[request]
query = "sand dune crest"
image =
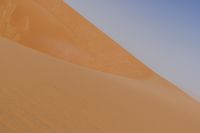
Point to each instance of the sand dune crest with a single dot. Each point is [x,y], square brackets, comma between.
[52,27]
[60,74]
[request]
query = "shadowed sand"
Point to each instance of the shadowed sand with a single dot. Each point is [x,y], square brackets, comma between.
[43,94]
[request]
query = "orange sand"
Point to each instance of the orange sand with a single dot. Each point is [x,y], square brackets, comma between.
[54,28]
[40,93]
[43,94]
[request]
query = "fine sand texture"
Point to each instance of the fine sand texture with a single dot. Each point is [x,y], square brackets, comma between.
[42,94]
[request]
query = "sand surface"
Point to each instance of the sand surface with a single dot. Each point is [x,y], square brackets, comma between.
[43,94]
[53,27]
[60,74]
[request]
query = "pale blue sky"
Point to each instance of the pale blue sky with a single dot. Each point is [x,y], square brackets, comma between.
[164,34]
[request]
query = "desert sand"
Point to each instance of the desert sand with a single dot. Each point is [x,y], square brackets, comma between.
[43,94]
[54,28]
[60,74]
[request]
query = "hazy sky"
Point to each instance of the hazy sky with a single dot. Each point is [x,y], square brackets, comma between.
[164,34]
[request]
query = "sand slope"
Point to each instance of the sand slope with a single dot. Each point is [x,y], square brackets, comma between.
[53,27]
[41,94]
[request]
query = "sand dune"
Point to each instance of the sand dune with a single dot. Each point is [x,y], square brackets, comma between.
[58,89]
[53,27]
[43,94]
